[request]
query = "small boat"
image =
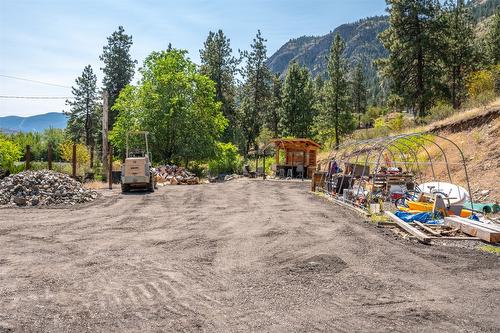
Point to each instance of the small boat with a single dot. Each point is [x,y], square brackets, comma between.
[456,194]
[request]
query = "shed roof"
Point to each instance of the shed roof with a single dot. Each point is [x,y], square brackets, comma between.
[295,143]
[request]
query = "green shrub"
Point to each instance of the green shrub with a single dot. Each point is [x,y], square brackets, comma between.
[227,159]
[9,153]
[480,82]
[440,111]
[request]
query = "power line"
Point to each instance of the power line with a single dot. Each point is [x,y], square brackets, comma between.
[35,97]
[34,81]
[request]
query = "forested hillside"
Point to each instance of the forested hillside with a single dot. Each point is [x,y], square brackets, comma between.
[361,40]
[361,43]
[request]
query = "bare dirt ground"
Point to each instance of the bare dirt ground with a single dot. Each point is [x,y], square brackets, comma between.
[243,256]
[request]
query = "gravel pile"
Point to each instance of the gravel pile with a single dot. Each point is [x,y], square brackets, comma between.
[42,188]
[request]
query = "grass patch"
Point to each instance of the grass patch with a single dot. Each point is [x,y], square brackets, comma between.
[378,218]
[490,248]
[95,185]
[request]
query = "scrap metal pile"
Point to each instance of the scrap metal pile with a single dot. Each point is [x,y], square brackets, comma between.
[43,188]
[174,175]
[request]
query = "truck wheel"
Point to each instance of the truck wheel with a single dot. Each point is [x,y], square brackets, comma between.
[125,188]
[151,185]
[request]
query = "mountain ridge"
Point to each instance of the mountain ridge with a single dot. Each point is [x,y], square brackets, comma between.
[37,123]
[362,43]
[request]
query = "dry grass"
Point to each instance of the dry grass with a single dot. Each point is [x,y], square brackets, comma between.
[95,185]
[458,117]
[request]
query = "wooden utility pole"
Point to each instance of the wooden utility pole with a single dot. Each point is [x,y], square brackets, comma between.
[105,128]
[73,161]
[27,165]
[49,156]
[110,167]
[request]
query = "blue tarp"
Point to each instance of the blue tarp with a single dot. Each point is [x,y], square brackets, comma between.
[425,217]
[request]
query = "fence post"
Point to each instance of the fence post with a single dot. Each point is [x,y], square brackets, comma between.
[27,165]
[110,167]
[49,156]
[73,160]
[264,166]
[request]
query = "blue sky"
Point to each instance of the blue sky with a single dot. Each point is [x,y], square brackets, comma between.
[53,40]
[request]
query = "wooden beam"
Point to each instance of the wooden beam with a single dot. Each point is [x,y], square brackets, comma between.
[428,229]
[349,206]
[473,228]
[423,238]
[455,238]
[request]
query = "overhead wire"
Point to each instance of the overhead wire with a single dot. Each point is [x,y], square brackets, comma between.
[35,97]
[34,81]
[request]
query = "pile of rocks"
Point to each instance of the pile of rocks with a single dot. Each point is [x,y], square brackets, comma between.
[43,188]
[175,175]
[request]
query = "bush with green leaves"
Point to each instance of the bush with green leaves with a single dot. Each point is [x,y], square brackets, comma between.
[10,152]
[439,111]
[227,160]
[82,155]
[176,105]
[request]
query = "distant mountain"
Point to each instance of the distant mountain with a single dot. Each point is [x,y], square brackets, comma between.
[36,123]
[361,39]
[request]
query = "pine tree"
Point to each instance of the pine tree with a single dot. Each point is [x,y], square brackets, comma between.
[335,113]
[218,64]
[118,67]
[276,109]
[460,56]
[494,38]
[359,92]
[83,122]
[298,102]
[256,91]
[415,44]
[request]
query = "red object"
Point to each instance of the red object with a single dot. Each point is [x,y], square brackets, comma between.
[396,196]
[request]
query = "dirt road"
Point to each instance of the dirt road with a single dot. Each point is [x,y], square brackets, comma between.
[243,256]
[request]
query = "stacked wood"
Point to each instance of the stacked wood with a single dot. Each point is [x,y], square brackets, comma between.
[487,232]
[175,175]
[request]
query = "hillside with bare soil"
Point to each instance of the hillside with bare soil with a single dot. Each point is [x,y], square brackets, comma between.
[478,137]
[477,133]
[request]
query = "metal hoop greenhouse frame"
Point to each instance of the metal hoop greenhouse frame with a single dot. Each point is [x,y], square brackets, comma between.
[409,146]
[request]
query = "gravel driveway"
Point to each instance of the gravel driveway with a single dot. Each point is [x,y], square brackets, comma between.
[242,256]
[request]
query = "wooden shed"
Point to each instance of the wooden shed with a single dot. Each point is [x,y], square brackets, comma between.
[299,158]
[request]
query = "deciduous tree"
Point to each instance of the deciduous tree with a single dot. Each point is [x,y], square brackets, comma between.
[176,104]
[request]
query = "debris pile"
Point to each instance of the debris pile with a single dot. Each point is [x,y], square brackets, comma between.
[175,175]
[43,188]
[223,178]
